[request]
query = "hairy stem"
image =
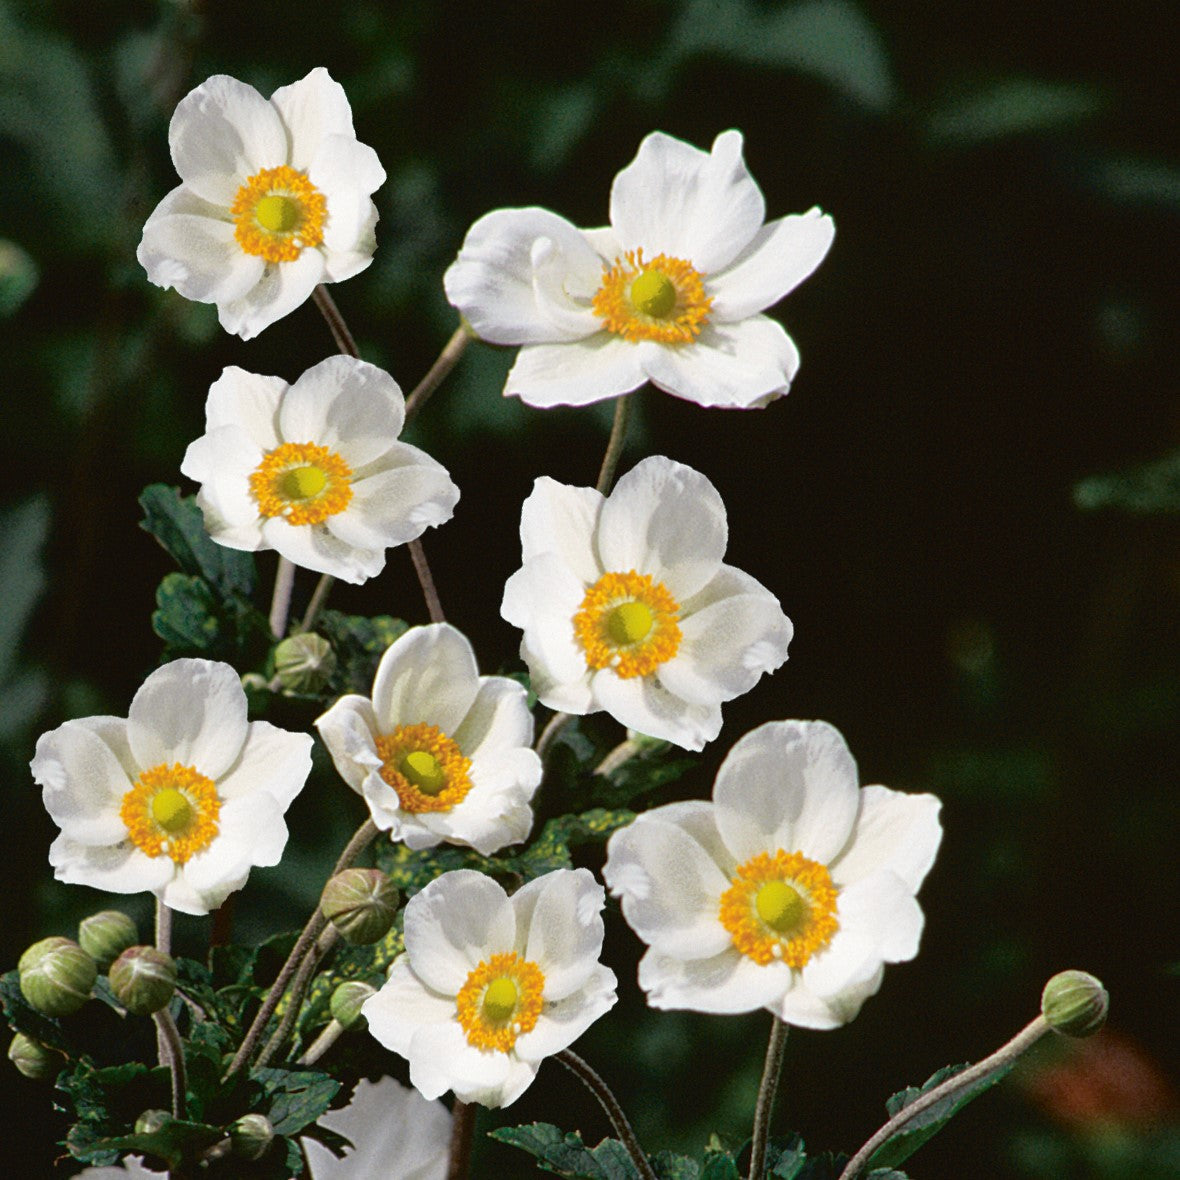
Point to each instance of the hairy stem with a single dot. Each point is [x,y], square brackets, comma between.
[426,581]
[1022,1041]
[329,1035]
[553,727]
[174,1050]
[437,373]
[340,333]
[280,603]
[614,1111]
[614,446]
[323,944]
[771,1070]
[318,598]
[462,1137]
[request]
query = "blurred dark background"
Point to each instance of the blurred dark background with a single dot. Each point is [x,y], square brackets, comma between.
[979,614]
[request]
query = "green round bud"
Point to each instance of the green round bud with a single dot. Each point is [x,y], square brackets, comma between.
[251,1136]
[33,1059]
[304,663]
[1075,1003]
[152,1121]
[56,976]
[143,979]
[346,1001]
[106,935]
[361,904]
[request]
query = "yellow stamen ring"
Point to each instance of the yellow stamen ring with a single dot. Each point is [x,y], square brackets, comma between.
[425,767]
[278,213]
[172,811]
[663,299]
[500,1001]
[780,908]
[628,622]
[302,482]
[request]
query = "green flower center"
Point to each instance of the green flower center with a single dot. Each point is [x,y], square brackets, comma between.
[172,810]
[301,483]
[277,213]
[629,622]
[424,772]
[780,906]
[654,294]
[500,999]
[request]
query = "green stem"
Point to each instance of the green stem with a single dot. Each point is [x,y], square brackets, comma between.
[311,961]
[1021,1042]
[614,1111]
[437,373]
[340,333]
[168,1036]
[280,603]
[462,1138]
[772,1068]
[614,446]
[318,598]
[329,1035]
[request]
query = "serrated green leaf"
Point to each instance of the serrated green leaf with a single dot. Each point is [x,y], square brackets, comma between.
[900,1146]
[785,1158]
[192,621]
[565,1153]
[297,1097]
[1147,488]
[359,643]
[667,1165]
[176,522]
[175,1142]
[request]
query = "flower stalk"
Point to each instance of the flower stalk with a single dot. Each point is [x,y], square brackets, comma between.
[328,309]
[438,372]
[280,602]
[767,1092]
[614,445]
[462,1138]
[169,1039]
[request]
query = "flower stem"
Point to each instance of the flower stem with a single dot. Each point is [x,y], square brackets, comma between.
[280,603]
[614,1111]
[553,727]
[323,944]
[361,839]
[340,333]
[614,446]
[1005,1055]
[163,927]
[623,752]
[318,598]
[771,1070]
[462,1137]
[437,373]
[329,1035]
[168,1036]
[426,581]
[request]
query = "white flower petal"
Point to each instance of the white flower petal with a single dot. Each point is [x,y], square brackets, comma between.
[83,783]
[560,519]
[428,675]
[724,984]
[563,1021]
[788,785]
[743,365]
[192,712]
[222,133]
[402,1005]
[248,402]
[222,461]
[591,370]
[313,547]
[881,910]
[349,729]
[273,761]
[675,199]
[666,520]
[441,1059]
[281,289]
[492,280]
[113,868]
[780,256]
[644,704]
[498,720]
[894,831]
[560,916]
[312,108]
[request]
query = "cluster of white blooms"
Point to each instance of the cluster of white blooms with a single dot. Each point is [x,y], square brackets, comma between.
[789,891]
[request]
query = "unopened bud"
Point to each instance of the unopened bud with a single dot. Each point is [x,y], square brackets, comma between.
[346,1001]
[56,976]
[304,663]
[143,979]
[1075,1003]
[152,1121]
[251,1136]
[33,1059]
[106,935]
[361,904]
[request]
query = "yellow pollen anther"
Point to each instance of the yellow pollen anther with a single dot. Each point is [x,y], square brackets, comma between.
[500,1000]
[662,300]
[302,482]
[277,214]
[425,767]
[780,908]
[627,622]
[171,810]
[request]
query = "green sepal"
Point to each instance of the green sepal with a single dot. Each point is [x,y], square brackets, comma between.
[900,1146]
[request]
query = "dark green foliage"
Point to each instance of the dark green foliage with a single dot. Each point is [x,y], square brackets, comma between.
[1147,488]
[565,1153]
[359,644]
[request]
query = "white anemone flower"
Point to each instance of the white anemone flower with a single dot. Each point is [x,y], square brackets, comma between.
[439,753]
[489,985]
[670,292]
[179,799]
[790,891]
[626,604]
[315,470]
[274,199]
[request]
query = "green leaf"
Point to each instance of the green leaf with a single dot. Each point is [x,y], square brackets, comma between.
[1012,106]
[359,644]
[176,522]
[1148,488]
[551,849]
[719,1165]
[297,1097]
[900,1146]
[566,1154]
[667,1165]
[175,1142]
[192,621]
[18,276]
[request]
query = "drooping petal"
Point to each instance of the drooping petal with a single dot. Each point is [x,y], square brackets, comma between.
[428,675]
[349,729]
[577,374]
[676,199]
[895,832]
[780,256]
[192,712]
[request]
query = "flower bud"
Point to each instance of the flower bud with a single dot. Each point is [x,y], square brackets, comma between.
[143,979]
[56,976]
[106,935]
[33,1059]
[152,1121]
[346,1001]
[304,663]
[361,904]
[1075,1003]
[251,1136]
